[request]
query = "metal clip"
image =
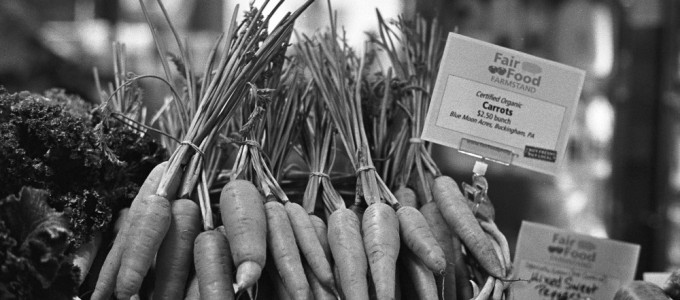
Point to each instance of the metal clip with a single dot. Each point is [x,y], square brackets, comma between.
[477,191]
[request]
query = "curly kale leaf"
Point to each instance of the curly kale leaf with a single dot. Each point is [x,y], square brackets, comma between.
[43,147]
[12,267]
[33,256]
[87,214]
[72,105]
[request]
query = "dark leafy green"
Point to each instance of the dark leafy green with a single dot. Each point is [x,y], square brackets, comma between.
[50,142]
[34,238]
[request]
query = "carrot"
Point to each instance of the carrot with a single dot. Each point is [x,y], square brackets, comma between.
[478,276]
[406,197]
[146,233]
[418,237]
[243,216]
[422,278]
[487,289]
[444,238]
[344,239]
[319,291]
[279,288]
[173,261]
[338,286]
[497,290]
[213,266]
[309,244]
[105,281]
[453,207]
[463,286]
[498,284]
[321,232]
[107,275]
[372,294]
[285,253]
[192,291]
[380,228]
[84,256]
[475,289]
[120,221]
[498,239]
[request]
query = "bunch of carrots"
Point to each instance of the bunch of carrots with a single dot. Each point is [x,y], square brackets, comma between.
[304,123]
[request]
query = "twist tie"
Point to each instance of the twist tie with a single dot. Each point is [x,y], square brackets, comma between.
[192,145]
[415,140]
[364,168]
[319,174]
[251,143]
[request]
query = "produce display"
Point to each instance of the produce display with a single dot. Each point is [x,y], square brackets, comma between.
[289,167]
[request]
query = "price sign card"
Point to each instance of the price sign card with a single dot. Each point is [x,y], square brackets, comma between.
[551,263]
[502,104]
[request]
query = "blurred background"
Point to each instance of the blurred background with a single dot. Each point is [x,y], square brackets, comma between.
[621,179]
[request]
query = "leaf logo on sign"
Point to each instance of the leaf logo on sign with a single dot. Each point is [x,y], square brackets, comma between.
[555,249]
[500,70]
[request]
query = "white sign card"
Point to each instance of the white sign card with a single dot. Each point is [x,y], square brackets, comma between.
[502,104]
[552,263]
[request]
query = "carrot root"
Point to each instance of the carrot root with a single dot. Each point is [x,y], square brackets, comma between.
[418,237]
[285,253]
[344,239]
[457,214]
[243,216]
[319,291]
[192,291]
[380,227]
[486,290]
[85,255]
[107,276]
[120,221]
[442,233]
[146,234]
[498,253]
[252,292]
[279,287]
[321,233]
[422,277]
[463,289]
[475,289]
[309,244]
[491,228]
[213,266]
[175,254]
[106,281]
[247,274]
[497,290]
